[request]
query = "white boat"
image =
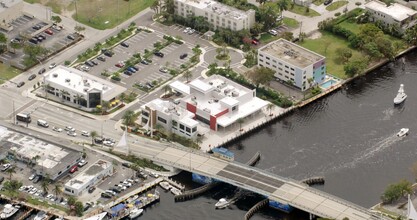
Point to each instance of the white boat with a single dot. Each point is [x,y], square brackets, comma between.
[165,185]
[222,203]
[176,191]
[135,212]
[403,132]
[8,211]
[41,216]
[401,96]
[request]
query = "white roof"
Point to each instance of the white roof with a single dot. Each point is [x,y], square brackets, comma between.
[167,107]
[201,86]
[80,82]
[244,110]
[397,11]
[189,122]
[180,87]
[229,101]
[88,174]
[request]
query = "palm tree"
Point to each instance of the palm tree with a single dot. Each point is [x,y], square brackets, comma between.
[187,74]
[57,190]
[282,5]
[166,88]
[135,167]
[122,97]
[240,121]
[129,118]
[34,159]
[270,106]
[11,171]
[93,134]
[45,184]
[104,106]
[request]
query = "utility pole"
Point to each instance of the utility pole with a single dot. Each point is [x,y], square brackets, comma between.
[301,25]
[14,114]
[76,10]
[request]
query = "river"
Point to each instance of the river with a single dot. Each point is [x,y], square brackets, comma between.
[349,137]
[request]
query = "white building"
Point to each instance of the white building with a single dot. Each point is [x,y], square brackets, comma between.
[88,177]
[395,14]
[79,88]
[292,62]
[217,14]
[216,102]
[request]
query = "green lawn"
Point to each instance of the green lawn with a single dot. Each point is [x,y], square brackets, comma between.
[301,10]
[290,22]
[7,72]
[333,66]
[336,5]
[107,14]
[318,2]
[267,37]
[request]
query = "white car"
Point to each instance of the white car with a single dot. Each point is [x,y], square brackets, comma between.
[32,176]
[56,129]
[82,163]
[186,30]
[154,175]
[39,193]
[192,31]
[72,134]
[163,69]
[273,32]
[33,191]
[52,65]
[85,133]
[108,143]
[64,203]
[49,196]
[22,188]
[69,128]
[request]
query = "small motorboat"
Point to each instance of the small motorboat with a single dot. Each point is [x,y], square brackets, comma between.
[403,132]
[165,185]
[8,211]
[41,216]
[401,96]
[176,191]
[135,212]
[222,203]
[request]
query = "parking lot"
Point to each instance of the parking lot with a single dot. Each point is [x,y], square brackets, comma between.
[146,73]
[28,30]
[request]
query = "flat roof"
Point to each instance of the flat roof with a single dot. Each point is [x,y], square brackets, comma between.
[291,53]
[201,86]
[168,107]
[218,8]
[81,82]
[397,11]
[180,87]
[51,157]
[255,104]
[88,174]
[8,4]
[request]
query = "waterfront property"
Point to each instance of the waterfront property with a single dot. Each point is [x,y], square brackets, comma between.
[46,158]
[217,14]
[89,177]
[216,102]
[78,88]
[293,63]
[394,14]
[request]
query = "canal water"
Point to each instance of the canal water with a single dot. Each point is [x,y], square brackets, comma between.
[348,137]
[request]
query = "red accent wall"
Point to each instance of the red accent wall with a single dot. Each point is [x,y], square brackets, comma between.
[222,113]
[191,108]
[213,123]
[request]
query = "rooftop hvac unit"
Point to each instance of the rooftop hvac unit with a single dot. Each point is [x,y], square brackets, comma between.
[226,91]
[67,80]
[55,75]
[207,110]
[85,89]
[105,87]
[235,94]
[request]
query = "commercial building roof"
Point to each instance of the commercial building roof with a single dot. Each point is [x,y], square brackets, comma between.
[255,104]
[291,53]
[397,11]
[218,8]
[5,4]
[180,87]
[52,158]
[87,175]
[81,82]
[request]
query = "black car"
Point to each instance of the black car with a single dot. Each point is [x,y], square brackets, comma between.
[98,140]
[20,84]
[71,37]
[327,2]
[37,179]
[91,189]
[37,27]
[126,165]
[33,40]
[89,63]
[108,53]
[106,195]
[31,77]
[124,44]
[159,54]
[127,72]
[103,59]
[94,62]
[134,67]
[42,71]
[184,55]
[87,206]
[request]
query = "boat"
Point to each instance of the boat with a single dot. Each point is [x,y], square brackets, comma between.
[176,191]
[165,185]
[401,96]
[222,203]
[8,211]
[135,212]
[41,216]
[403,132]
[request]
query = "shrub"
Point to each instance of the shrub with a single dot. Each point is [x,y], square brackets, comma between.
[358,3]
[337,14]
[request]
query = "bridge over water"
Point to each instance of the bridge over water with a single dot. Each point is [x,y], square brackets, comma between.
[274,187]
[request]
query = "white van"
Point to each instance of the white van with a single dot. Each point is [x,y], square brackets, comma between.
[43,123]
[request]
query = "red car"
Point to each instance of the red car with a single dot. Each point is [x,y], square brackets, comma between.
[255,42]
[48,31]
[73,169]
[120,65]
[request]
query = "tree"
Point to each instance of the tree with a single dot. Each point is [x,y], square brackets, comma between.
[71,201]
[12,187]
[187,75]
[261,2]
[34,159]
[79,28]
[354,67]
[395,191]
[343,54]
[3,41]
[122,97]
[79,208]
[282,5]
[156,6]
[104,106]
[11,171]
[268,14]
[57,190]
[56,19]
[269,107]
[166,88]
[14,46]
[129,118]
[93,134]
[289,36]
[45,184]
[33,51]
[240,121]
[260,75]
[410,35]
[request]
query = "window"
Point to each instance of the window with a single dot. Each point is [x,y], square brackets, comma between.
[268,58]
[188,129]
[287,71]
[267,63]
[181,127]
[292,69]
[234,108]
[162,120]
[286,66]
[280,68]
[261,60]
[274,66]
[194,129]
[145,113]
[261,55]
[274,61]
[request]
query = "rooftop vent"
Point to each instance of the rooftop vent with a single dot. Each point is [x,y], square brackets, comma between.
[235,94]
[67,80]
[55,75]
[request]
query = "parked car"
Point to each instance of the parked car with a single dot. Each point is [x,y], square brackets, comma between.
[124,44]
[82,163]
[32,176]
[89,63]
[192,31]
[31,77]
[120,64]
[85,133]
[159,54]
[163,69]
[273,32]
[108,53]
[131,69]
[49,31]
[126,165]
[94,62]
[144,62]
[56,27]
[5,166]
[184,55]
[71,37]
[37,27]
[1,179]
[187,29]
[33,40]
[106,195]
[56,129]
[73,169]
[255,41]
[127,72]
[20,84]
[279,18]
[41,71]
[71,133]
[91,189]
[16,40]
[69,128]
[102,59]
[37,179]
[52,65]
